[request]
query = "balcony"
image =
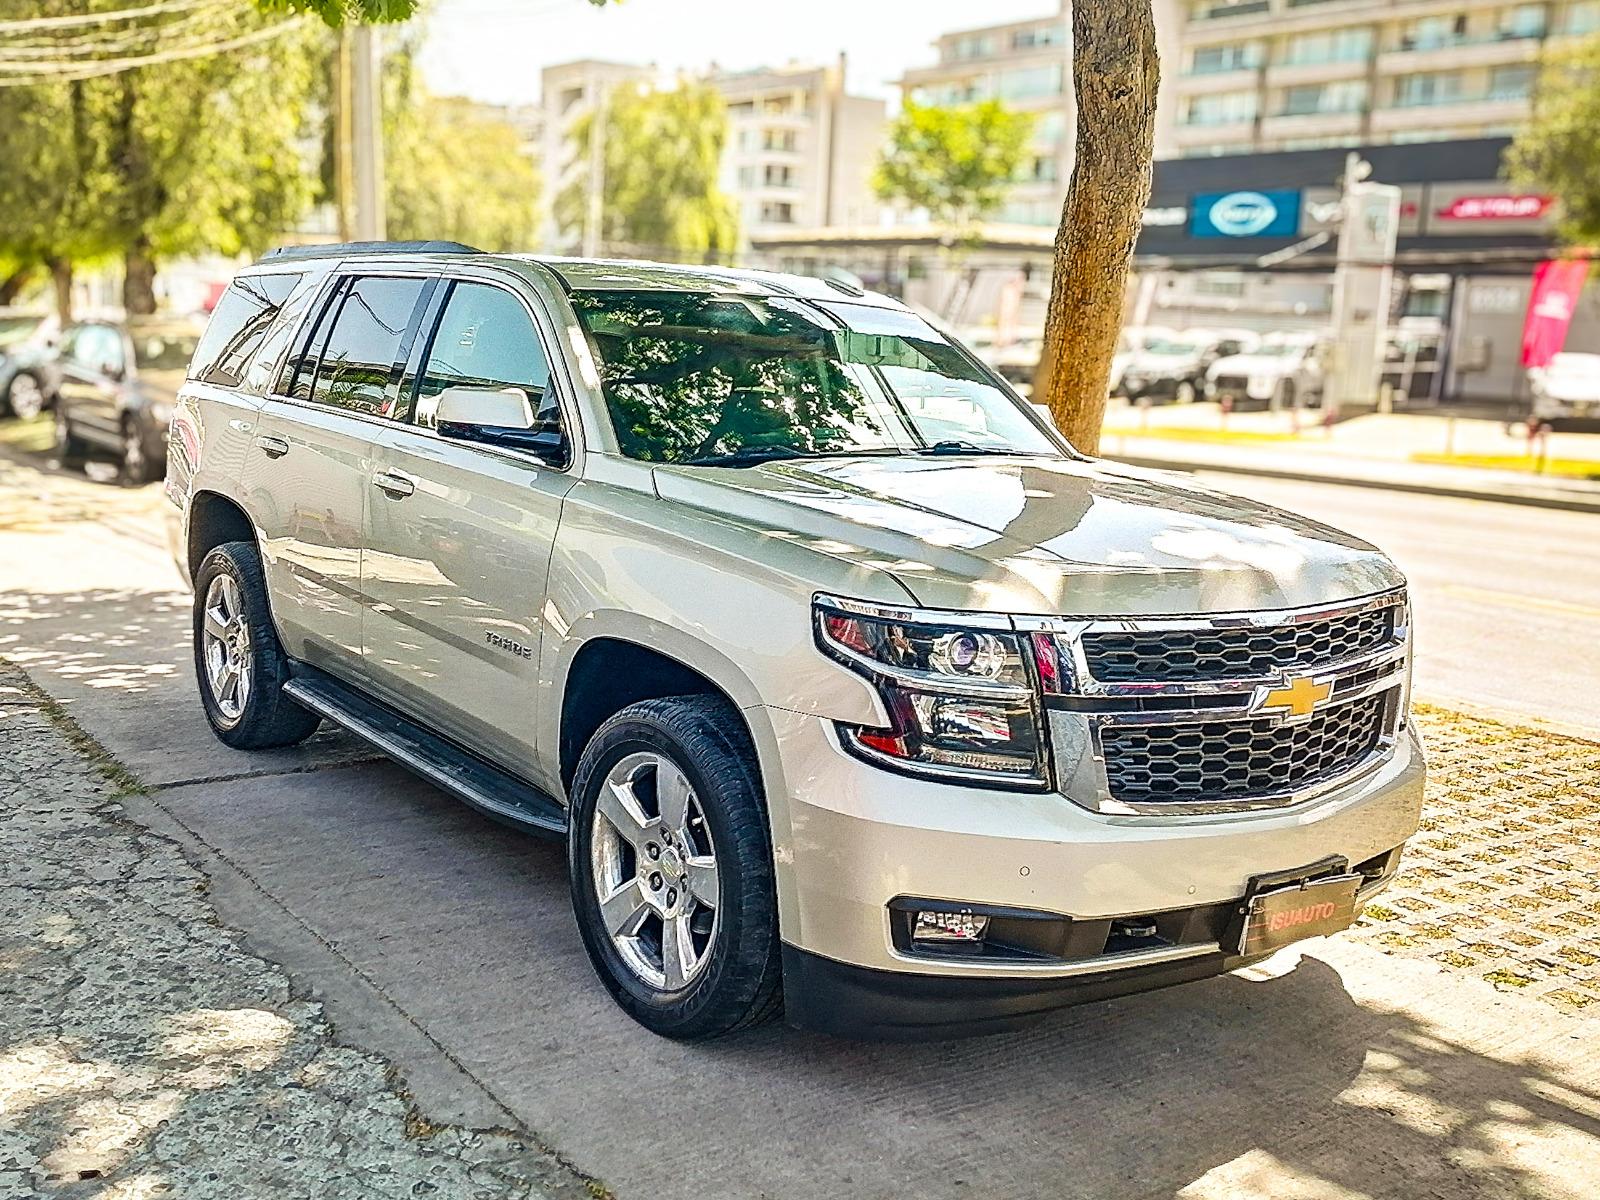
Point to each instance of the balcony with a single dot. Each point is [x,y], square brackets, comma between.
[1489,51]
[1326,71]
[1284,125]
[1481,107]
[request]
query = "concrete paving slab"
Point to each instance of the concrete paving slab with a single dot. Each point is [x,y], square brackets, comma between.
[1354,1069]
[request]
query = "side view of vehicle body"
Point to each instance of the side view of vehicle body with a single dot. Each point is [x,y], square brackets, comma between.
[119,382]
[1283,371]
[30,369]
[1566,390]
[854,691]
[1175,368]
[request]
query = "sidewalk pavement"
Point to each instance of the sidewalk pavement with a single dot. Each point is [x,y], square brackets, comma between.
[1400,452]
[145,1052]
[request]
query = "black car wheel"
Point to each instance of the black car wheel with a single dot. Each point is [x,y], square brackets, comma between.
[69,446]
[138,465]
[671,868]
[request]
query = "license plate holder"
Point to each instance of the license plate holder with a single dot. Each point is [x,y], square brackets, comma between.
[1280,913]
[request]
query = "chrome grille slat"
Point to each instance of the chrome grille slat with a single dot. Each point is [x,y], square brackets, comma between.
[1227,761]
[1192,656]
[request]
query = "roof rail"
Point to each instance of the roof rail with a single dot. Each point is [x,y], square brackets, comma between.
[339,249]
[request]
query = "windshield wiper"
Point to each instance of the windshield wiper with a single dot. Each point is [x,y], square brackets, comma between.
[958,447]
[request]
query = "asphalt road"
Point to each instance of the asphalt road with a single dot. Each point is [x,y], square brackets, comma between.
[446,944]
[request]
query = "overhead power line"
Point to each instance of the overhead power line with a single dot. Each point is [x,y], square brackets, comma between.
[32,74]
[99,18]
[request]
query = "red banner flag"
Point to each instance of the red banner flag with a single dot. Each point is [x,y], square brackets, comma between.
[1557,284]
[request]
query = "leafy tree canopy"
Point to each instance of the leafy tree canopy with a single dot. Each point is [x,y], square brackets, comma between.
[454,170]
[1558,151]
[663,156]
[957,161]
[371,12]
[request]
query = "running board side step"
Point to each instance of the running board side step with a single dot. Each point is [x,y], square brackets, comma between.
[497,793]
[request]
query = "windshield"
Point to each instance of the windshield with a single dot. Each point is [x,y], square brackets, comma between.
[1171,347]
[1271,349]
[164,351]
[694,377]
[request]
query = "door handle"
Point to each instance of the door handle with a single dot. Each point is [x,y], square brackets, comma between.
[272,447]
[394,484]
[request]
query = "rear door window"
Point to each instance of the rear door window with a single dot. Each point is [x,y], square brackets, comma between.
[366,346]
[238,326]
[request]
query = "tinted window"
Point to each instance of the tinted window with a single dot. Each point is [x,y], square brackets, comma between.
[485,339]
[261,373]
[237,326]
[360,365]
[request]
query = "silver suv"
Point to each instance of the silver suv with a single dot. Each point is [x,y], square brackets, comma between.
[853,690]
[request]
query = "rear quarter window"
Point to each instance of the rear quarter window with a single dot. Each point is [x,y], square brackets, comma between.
[238,326]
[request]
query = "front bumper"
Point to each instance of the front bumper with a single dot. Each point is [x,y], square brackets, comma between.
[852,838]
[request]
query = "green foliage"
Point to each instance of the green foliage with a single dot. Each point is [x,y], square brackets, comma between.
[454,170]
[1557,151]
[371,12]
[956,161]
[663,154]
[179,158]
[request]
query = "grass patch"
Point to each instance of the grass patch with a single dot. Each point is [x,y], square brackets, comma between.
[123,781]
[1566,468]
[31,437]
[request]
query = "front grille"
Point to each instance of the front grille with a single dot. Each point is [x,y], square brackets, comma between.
[1223,762]
[1231,383]
[1205,655]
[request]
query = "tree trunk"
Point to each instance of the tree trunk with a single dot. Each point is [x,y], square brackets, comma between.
[11,286]
[1115,74]
[61,277]
[139,279]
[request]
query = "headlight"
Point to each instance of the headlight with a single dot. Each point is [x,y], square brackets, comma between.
[961,696]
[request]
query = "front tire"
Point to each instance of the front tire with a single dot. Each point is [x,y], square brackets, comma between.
[1186,393]
[138,467]
[239,664]
[671,868]
[69,446]
[25,398]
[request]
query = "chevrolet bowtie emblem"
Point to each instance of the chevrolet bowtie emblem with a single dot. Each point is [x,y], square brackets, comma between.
[1299,698]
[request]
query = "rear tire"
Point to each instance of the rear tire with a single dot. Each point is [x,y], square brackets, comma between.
[680,966]
[138,467]
[239,664]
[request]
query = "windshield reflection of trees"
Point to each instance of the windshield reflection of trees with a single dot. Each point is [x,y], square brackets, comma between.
[691,375]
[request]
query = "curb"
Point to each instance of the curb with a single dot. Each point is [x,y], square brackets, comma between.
[1528,499]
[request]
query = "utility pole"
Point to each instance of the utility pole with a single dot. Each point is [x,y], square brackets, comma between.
[1362,282]
[367,133]
[594,206]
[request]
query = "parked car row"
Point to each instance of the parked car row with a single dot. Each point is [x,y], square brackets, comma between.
[112,383]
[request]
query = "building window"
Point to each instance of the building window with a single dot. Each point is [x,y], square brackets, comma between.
[1345,97]
[1211,10]
[777,176]
[1583,17]
[974,45]
[1215,283]
[1217,149]
[1043,35]
[776,212]
[1223,108]
[1512,82]
[1431,87]
[1027,82]
[1231,56]
[778,139]
[1040,168]
[1334,45]
[1433,33]
[1522,21]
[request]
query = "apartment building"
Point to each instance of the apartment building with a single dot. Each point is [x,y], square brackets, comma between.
[1265,75]
[800,150]
[1027,66]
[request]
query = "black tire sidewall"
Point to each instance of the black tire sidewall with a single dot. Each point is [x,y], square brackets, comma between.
[718,998]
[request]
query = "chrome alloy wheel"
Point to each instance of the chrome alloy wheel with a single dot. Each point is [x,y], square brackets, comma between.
[226,642]
[655,871]
[26,397]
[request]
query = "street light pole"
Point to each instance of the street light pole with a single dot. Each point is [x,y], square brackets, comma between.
[367,134]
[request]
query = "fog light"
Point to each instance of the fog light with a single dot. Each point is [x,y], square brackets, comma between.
[949,927]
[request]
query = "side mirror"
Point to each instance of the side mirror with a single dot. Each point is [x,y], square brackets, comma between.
[111,370]
[498,417]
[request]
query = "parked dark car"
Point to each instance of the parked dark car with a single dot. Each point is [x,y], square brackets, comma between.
[118,384]
[30,371]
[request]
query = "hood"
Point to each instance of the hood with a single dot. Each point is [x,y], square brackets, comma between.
[1255,364]
[1043,536]
[1141,362]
